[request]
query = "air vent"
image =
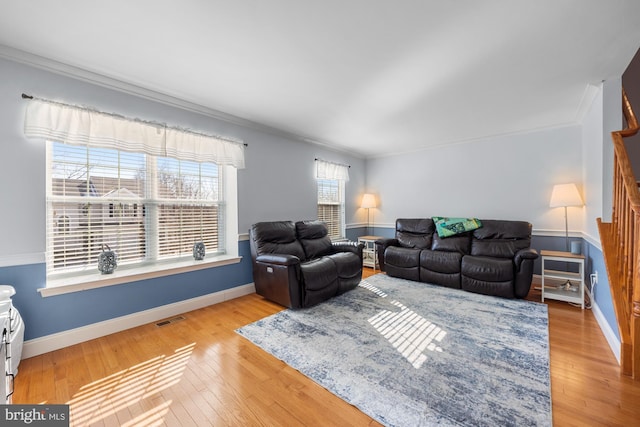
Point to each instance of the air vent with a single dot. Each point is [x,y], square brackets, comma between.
[169,321]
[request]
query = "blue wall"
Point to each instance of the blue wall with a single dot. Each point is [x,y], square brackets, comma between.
[45,316]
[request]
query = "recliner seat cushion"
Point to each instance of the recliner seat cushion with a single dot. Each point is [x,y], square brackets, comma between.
[497,289]
[347,264]
[487,269]
[441,262]
[402,257]
[277,237]
[320,273]
[314,238]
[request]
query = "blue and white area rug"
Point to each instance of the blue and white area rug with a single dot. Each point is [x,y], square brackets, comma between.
[412,354]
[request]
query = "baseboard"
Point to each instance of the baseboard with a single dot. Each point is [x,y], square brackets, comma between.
[60,340]
[609,334]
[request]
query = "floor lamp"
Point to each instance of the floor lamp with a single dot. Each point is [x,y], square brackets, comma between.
[368,202]
[564,195]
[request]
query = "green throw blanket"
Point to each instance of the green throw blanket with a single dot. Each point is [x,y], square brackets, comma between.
[447,227]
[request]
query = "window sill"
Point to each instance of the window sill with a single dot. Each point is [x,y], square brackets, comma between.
[118,277]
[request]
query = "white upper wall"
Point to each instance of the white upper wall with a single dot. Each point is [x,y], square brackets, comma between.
[504,177]
[278,182]
[593,167]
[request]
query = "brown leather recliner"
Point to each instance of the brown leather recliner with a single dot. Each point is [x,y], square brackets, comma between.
[495,259]
[296,264]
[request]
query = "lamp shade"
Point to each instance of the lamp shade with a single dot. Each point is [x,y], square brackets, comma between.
[368,201]
[565,195]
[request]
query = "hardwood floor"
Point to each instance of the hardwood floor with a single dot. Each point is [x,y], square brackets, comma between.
[199,372]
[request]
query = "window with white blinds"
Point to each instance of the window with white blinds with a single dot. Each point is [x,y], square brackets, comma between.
[331,206]
[143,207]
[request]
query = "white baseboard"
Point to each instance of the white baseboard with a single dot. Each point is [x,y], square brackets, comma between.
[609,334]
[59,340]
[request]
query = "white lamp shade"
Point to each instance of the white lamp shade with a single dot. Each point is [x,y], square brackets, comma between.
[565,195]
[368,201]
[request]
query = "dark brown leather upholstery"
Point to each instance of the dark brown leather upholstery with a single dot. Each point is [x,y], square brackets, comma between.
[296,264]
[495,259]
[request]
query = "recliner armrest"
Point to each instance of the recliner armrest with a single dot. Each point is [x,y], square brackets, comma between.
[354,247]
[279,259]
[381,246]
[527,253]
[384,243]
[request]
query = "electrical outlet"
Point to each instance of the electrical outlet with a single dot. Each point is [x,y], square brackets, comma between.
[594,278]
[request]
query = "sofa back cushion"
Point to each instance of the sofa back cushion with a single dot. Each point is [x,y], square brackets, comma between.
[415,233]
[314,237]
[501,239]
[459,243]
[277,237]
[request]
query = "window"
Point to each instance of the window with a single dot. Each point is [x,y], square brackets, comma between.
[146,190]
[331,179]
[143,207]
[331,206]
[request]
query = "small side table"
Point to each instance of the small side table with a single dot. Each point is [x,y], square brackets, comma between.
[369,253]
[563,285]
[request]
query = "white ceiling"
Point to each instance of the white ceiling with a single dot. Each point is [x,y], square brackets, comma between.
[371,77]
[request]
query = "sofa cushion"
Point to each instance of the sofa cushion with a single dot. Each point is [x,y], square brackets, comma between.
[277,237]
[487,269]
[441,262]
[496,289]
[402,257]
[414,233]
[348,264]
[460,243]
[501,239]
[320,273]
[314,238]
[449,280]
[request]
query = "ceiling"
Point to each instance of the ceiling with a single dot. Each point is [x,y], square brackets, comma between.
[370,77]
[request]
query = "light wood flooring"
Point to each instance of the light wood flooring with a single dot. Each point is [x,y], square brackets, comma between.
[199,372]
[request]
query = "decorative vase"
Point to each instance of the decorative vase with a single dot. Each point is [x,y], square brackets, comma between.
[107,260]
[198,251]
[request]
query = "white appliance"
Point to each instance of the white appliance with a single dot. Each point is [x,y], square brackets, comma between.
[12,330]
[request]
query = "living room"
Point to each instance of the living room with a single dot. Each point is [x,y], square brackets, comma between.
[504,175]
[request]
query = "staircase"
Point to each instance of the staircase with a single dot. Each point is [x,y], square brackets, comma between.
[621,247]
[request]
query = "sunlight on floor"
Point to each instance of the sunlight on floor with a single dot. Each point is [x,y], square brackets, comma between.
[121,391]
[408,332]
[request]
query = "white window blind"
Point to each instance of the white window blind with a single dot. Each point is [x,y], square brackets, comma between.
[331,179]
[145,208]
[331,206]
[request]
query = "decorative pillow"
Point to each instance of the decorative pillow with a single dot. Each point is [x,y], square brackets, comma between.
[447,227]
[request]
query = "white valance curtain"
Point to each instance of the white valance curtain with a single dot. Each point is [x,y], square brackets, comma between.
[80,126]
[330,170]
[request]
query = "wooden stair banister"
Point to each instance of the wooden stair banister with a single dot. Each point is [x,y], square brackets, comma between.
[621,246]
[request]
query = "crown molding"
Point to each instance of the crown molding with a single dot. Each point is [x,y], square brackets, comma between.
[96,78]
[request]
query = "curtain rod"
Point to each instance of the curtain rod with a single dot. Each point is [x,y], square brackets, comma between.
[25,96]
[335,163]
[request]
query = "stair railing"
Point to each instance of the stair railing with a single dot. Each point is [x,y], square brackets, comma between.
[621,247]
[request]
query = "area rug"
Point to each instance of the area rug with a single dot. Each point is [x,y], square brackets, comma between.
[413,354]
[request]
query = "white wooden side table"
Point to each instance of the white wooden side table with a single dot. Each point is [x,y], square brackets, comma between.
[563,285]
[369,253]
